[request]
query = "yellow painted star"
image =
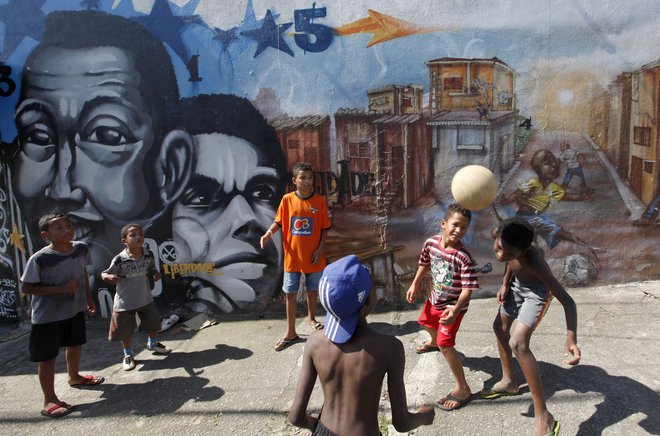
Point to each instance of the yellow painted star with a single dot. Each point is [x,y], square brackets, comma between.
[383,27]
[16,238]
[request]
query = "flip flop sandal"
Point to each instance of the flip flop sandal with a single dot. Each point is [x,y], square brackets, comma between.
[425,348]
[459,403]
[88,381]
[286,343]
[59,405]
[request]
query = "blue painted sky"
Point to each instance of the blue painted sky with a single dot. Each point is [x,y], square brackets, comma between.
[604,37]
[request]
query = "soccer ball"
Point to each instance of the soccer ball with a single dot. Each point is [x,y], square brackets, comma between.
[474,187]
[579,269]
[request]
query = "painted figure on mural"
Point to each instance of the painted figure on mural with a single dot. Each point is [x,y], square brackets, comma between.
[573,160]
[94,137]
[534,195]
[236,186]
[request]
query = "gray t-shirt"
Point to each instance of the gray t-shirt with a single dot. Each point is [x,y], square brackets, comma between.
[52,268]
[133,290]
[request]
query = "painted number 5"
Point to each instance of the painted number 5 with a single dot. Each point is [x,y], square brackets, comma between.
[313,37]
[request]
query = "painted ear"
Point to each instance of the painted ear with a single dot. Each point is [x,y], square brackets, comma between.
[174,166]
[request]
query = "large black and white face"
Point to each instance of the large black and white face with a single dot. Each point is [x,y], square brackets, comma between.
[84,134]
[230,202]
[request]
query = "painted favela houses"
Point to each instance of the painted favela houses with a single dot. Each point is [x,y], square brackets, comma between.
[187,116]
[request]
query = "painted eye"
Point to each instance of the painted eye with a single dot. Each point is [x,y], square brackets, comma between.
[108,130]
[263,192]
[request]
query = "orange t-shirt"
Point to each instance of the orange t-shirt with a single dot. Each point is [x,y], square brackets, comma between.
[301,222]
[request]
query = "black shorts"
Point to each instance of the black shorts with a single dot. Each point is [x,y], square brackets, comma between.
[46,339]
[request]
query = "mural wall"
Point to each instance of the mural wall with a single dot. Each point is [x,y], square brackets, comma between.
[187,115]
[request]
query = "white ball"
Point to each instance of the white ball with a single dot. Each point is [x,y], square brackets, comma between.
[474,187]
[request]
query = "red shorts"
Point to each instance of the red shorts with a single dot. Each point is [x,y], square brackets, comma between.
[430,318]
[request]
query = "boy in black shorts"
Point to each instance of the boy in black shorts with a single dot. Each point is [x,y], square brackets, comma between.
[57,280]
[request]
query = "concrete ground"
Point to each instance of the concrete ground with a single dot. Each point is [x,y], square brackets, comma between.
[227,380]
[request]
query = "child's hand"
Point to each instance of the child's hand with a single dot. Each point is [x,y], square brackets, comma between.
[110,278]
[316,255]
[574,351]
[72,286]
[91,308]
[157,275]
[501,294]
[412,293]
[448,317]
[264,239]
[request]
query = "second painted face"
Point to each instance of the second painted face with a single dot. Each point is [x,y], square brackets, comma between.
[229,203]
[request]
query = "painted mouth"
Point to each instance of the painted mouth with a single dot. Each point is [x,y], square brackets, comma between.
[243,258]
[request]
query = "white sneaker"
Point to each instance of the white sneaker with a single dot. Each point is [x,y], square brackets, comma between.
[129,363]
[159,348]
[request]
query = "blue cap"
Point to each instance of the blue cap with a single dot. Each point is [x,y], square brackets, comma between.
[344,289]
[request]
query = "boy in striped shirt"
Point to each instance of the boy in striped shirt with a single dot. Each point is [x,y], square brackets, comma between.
[454,278]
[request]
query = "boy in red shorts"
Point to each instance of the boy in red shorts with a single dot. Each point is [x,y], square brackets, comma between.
[454,278]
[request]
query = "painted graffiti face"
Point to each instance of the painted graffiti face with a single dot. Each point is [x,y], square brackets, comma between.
[84,135]
[229,203]
[545,164]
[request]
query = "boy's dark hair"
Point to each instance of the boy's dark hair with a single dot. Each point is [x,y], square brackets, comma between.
[127,227]
[457,208]
[301,166]
[516,232]
[44,221]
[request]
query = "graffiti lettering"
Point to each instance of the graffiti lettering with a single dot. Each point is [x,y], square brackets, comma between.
[8,309]
[314,37]
[362,184]
[181,269]
[7,85]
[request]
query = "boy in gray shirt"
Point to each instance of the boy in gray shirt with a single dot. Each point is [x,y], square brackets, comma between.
[56,279]
[133,271]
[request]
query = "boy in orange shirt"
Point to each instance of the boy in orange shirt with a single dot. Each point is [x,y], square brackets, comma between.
[304,220]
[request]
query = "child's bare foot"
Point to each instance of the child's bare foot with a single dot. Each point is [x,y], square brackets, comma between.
[546,424]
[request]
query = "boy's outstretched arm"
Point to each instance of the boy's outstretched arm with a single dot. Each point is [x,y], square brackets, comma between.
[413,290]
[570,312]
[298,415]
[402,419]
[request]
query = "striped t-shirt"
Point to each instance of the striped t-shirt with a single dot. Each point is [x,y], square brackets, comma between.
[452,270]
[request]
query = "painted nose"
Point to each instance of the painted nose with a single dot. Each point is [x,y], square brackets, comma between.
[61,187]
[244,226]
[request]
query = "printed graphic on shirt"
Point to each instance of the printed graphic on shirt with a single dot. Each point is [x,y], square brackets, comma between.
[301,226]
[442,277]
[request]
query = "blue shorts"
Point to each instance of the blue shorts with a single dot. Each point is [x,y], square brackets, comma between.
[544,227]
[292,281]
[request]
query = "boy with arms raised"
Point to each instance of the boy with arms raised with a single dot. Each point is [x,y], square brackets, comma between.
[132,271]
[525,294]
[454,278]
[56,278]
[351,361]
[303,218]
